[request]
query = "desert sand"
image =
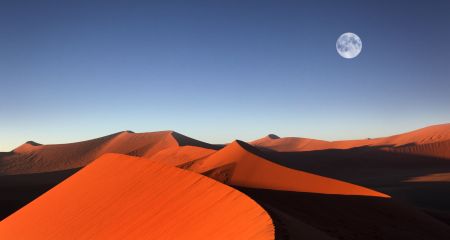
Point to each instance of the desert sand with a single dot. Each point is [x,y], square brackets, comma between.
[32,157]
[312,189]
[236,164]
[439,135]
[123,197]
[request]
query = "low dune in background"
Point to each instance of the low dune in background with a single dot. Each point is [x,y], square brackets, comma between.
[430,141]
[122,197]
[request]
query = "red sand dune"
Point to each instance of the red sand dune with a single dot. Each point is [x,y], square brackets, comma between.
[431,134]
[123,197]
[34,158]
[236,165]
[177,156]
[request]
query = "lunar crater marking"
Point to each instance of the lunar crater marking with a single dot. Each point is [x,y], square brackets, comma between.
[349,45]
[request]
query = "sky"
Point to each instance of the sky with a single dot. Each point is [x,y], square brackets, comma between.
[220,70]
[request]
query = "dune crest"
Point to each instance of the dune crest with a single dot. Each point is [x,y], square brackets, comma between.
[123,197]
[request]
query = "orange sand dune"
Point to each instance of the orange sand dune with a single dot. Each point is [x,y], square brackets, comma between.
[123,197]
[428,135]
[237,164]
[34,158]
[177,156]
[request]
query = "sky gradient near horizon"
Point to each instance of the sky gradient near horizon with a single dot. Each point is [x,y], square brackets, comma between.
[220,70]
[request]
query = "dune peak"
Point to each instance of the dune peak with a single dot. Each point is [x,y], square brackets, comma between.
[273,136]
[33,143]
[28,146]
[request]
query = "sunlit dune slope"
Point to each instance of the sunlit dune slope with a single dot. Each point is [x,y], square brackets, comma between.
[34,158]
[237,164]
[177,156]
[432,141]
[123,197]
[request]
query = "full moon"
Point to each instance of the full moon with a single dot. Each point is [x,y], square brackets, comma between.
[348,45]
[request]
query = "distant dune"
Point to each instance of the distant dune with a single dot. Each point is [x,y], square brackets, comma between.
[35,158]
[122,197]
[433,141]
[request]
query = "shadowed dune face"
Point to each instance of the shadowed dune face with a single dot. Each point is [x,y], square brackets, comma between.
[18,190]
[323,216]
[35,158]
[122,197]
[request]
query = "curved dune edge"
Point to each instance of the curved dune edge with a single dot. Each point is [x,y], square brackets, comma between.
[427,135]
[123,197]
[235,165]
[177,156]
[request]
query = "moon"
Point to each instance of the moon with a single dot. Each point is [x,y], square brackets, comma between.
[349,45]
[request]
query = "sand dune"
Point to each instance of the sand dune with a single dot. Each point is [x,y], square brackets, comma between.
[122,197]
[233,164]
[34,158]
[237,164]
[290,143]
[28,147]
[301,183]
[427,135]
[178,156]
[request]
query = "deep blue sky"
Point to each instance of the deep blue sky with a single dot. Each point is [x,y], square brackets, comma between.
[219,70]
